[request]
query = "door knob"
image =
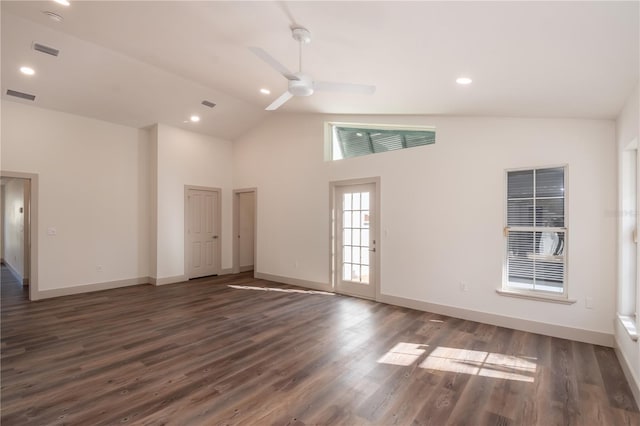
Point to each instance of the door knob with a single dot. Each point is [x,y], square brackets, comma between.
[215,237]
[373,249]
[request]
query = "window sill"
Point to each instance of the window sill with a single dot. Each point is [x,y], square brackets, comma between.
[629,324]
[538,297]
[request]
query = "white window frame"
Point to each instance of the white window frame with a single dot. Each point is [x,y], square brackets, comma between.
[541,295]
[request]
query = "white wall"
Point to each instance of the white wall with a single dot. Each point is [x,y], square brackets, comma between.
[628,131]
[93,189]
[442,209]
[13,233]
[187,158]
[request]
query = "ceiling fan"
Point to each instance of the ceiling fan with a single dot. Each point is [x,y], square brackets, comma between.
[301,84]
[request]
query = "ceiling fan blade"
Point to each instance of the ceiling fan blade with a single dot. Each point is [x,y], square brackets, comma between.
[329,86]
[273,62]
[278,102]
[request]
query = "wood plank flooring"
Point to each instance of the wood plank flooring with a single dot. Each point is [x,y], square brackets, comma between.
[205,353]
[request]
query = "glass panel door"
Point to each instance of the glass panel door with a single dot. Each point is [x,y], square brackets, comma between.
[355,252]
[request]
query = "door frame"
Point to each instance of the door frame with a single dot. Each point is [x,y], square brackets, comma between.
[236,228]
[333,260]
[218,224]
[32,178]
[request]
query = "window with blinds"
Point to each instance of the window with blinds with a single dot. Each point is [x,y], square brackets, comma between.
[353,141]
[536,231]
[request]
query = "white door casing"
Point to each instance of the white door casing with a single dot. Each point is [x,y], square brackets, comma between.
[246,206]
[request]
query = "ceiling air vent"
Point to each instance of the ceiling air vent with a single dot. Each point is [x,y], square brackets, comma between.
[21,95]
[208,103]
[46,49]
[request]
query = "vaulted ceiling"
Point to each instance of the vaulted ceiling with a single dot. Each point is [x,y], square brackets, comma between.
[138,63]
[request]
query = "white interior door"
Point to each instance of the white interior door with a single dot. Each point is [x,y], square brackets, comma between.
[355,228]
[202,229]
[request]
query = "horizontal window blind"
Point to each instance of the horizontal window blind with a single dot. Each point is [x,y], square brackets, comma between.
[536,231]
[356,141]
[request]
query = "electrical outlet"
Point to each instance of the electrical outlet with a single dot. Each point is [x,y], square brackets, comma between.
[464,287]
[99,268]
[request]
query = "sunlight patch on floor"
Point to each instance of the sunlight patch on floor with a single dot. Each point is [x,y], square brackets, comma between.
[464,361]
[403,354]
[282,290]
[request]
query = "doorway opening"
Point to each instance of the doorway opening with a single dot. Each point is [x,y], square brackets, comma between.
[244,229]
[355,239]
[202,231]
[18,228]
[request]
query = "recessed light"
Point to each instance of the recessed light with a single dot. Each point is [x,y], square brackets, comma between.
[463,80]
[27,71]
[194,118]
[53,16]
[265,91]
[63,2]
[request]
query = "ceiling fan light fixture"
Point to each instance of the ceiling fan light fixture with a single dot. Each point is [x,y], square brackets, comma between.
[302,35]
[301,87]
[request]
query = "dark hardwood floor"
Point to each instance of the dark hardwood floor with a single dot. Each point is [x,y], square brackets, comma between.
[205,353]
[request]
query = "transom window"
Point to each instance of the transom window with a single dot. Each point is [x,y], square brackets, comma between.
[536,231]
[353,141]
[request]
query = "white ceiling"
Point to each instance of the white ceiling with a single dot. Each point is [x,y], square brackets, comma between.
[138,63]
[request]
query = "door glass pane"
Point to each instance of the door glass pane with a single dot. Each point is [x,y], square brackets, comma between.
[356,254]
[346,254]
[364,256]
[346,237]
[346,271]
[364,238]
[364,274]
[364,201]
[356,219]
[347,201]
[347,219]
[355,272]
[364,218]
[356,201]
[356,237]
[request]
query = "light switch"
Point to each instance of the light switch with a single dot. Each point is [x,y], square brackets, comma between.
[52,231]
[588,301]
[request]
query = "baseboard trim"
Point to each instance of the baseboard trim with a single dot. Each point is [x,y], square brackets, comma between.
[246,268]
[553,330]
[294,281]
[88,288]
[15,273]
[168,280]
[226,271]
[633,381]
